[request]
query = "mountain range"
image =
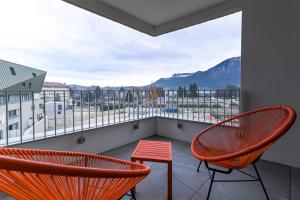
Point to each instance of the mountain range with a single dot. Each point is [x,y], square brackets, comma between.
[225,73]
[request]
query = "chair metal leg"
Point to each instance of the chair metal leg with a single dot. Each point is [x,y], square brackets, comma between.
[261,182]
[132,194]
[211,183]
[199,166]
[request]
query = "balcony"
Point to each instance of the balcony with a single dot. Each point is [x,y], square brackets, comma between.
[270,76]
[112,123]
[282,182]
[56,113]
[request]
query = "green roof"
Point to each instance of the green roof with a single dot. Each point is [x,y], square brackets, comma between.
[15,77]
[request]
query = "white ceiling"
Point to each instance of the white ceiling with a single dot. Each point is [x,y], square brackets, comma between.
[157,12]
[156,17]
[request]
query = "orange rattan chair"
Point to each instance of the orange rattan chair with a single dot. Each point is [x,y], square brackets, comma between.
[49,175]
[241,140]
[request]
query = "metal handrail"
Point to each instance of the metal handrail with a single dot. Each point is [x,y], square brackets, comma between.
[54,113]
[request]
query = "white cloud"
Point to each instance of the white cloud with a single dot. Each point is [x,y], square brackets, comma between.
[76,46]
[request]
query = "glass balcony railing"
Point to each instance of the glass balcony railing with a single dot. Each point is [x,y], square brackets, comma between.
[54,113]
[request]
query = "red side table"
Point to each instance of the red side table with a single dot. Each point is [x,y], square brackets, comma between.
[155,151]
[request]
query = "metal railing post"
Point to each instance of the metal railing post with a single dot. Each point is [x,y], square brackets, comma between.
[217,106]
[198,104]
[230,103]
[65,128]
[89,102]
[44,113]
[204,103]
[6,116]
[54,103]
[160,96]
[182,106]
[119,107]
[108,108]
[73,111]
[102,107]
[188,106]
[193,104]
[210,106]
[138,105]
[177,106]
[128,99]
[33,118]
[81,111]
[224,111]
[20,113]
[96,109]
[114,107]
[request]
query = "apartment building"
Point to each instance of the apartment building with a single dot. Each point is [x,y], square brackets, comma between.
[19,85]
[55,91]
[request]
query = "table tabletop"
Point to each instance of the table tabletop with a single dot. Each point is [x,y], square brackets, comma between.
[155,151]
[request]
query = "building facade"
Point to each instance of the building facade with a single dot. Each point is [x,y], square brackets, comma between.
[20,100]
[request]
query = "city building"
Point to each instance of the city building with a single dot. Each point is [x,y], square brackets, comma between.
[20,86]
[55,91]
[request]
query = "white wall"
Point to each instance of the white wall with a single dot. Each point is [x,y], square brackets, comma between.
[168,128]
[97,140]
[271,66]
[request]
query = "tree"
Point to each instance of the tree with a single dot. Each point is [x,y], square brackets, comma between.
[193,90]
[232,90]
[129,96]
[184,92]
[180,91]
[98,91]
[231,87]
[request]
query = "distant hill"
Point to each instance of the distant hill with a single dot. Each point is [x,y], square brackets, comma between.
[78,87]
[225,73]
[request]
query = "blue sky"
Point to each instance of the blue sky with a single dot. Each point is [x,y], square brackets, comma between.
[77,47]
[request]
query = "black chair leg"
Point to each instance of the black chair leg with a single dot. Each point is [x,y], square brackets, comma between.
[132,194]
[261,182]
[199,166]
[211,183]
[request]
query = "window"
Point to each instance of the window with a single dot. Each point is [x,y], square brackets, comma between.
[13,126]
[12,114]
[12,71]
[41,106]
[34,74]
[13,99]
[23,84]
[30,85]
[2,118]
[2,100]
[59,107]
[1,134]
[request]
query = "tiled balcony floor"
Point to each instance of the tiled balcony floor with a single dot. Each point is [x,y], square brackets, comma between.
[282,182]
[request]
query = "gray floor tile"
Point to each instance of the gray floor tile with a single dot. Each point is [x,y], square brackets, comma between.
[230,191]
[273,175]
[276,178]
[188,184]
[123,152]
[154,186]
[185,169]
[295,182]
[3,196]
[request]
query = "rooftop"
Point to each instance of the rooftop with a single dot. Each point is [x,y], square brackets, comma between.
[54,85]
